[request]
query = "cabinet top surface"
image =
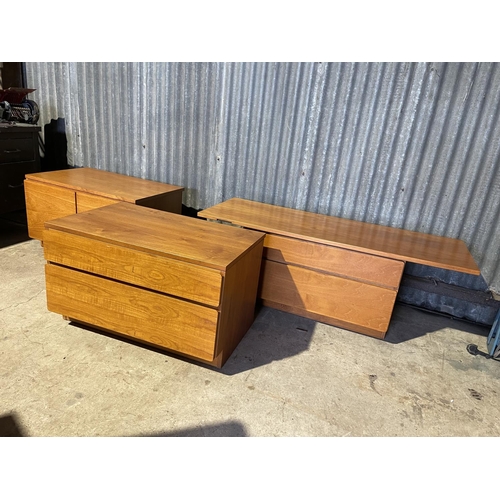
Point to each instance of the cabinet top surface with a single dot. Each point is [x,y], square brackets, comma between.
[100,182]
[12,129]
[402,244]
[161,233]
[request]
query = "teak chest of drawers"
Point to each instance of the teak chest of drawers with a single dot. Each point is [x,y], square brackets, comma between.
[50,195]
[337,271]
[175,282]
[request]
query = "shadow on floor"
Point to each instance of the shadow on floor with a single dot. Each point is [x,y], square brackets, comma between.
[274,335]
[404,327]
[224,429]
[13,228]
[277,335]
[10,426]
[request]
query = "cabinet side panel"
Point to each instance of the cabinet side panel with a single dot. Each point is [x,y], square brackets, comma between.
[238,302]
[45,202]
[168,202]
[163,321]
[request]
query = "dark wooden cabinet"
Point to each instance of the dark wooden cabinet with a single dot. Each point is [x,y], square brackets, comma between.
[19,155]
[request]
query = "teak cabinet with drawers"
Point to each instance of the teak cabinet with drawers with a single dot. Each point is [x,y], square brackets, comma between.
[19,155]
[50,195]
[337,271]
[171,281]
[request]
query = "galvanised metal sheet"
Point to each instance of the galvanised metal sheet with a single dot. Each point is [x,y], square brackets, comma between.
[410,145]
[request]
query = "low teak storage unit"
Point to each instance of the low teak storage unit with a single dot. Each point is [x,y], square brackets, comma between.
[341,272]
[175,282]
[50,195]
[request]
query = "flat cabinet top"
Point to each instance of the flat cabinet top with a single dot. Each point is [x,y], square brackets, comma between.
[12,129]
[401,244]
[118,186]
[161,233]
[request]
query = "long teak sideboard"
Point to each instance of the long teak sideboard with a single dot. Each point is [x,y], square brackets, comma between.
[50,195]
[178,283]
[337,271]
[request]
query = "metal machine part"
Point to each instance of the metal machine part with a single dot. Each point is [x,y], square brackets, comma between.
[14,107]
[492,343]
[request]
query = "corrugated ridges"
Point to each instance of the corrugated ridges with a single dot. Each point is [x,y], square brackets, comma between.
[412,145]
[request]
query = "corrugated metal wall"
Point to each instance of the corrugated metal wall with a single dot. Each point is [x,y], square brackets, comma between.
[410,145]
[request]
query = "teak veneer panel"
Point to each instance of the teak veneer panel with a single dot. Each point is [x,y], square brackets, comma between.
[116,186]
[162,274]
[304,291]
[46,202]
[157,319]
[238,310]
[361,266]
[161,233]
[401,244]
[85,202]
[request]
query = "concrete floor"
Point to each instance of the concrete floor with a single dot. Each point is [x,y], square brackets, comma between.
[288,377]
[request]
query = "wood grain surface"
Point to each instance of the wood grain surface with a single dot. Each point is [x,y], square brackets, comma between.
[342,262]
[238,307]
[346,325]
[44,202]
[152,231]
[400,244]
[94,181]
[86,201]
[163,274]
[337,300]
[157,319]
[91,188]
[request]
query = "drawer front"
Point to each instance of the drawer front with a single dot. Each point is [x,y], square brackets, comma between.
[342,262]
[147,316]
[162,274]
[16,149]
[351,302]
[12,184]
[86,202]
[46,202]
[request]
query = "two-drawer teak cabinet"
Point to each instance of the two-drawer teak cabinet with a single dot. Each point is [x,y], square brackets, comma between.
[50,195]
[175,282]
